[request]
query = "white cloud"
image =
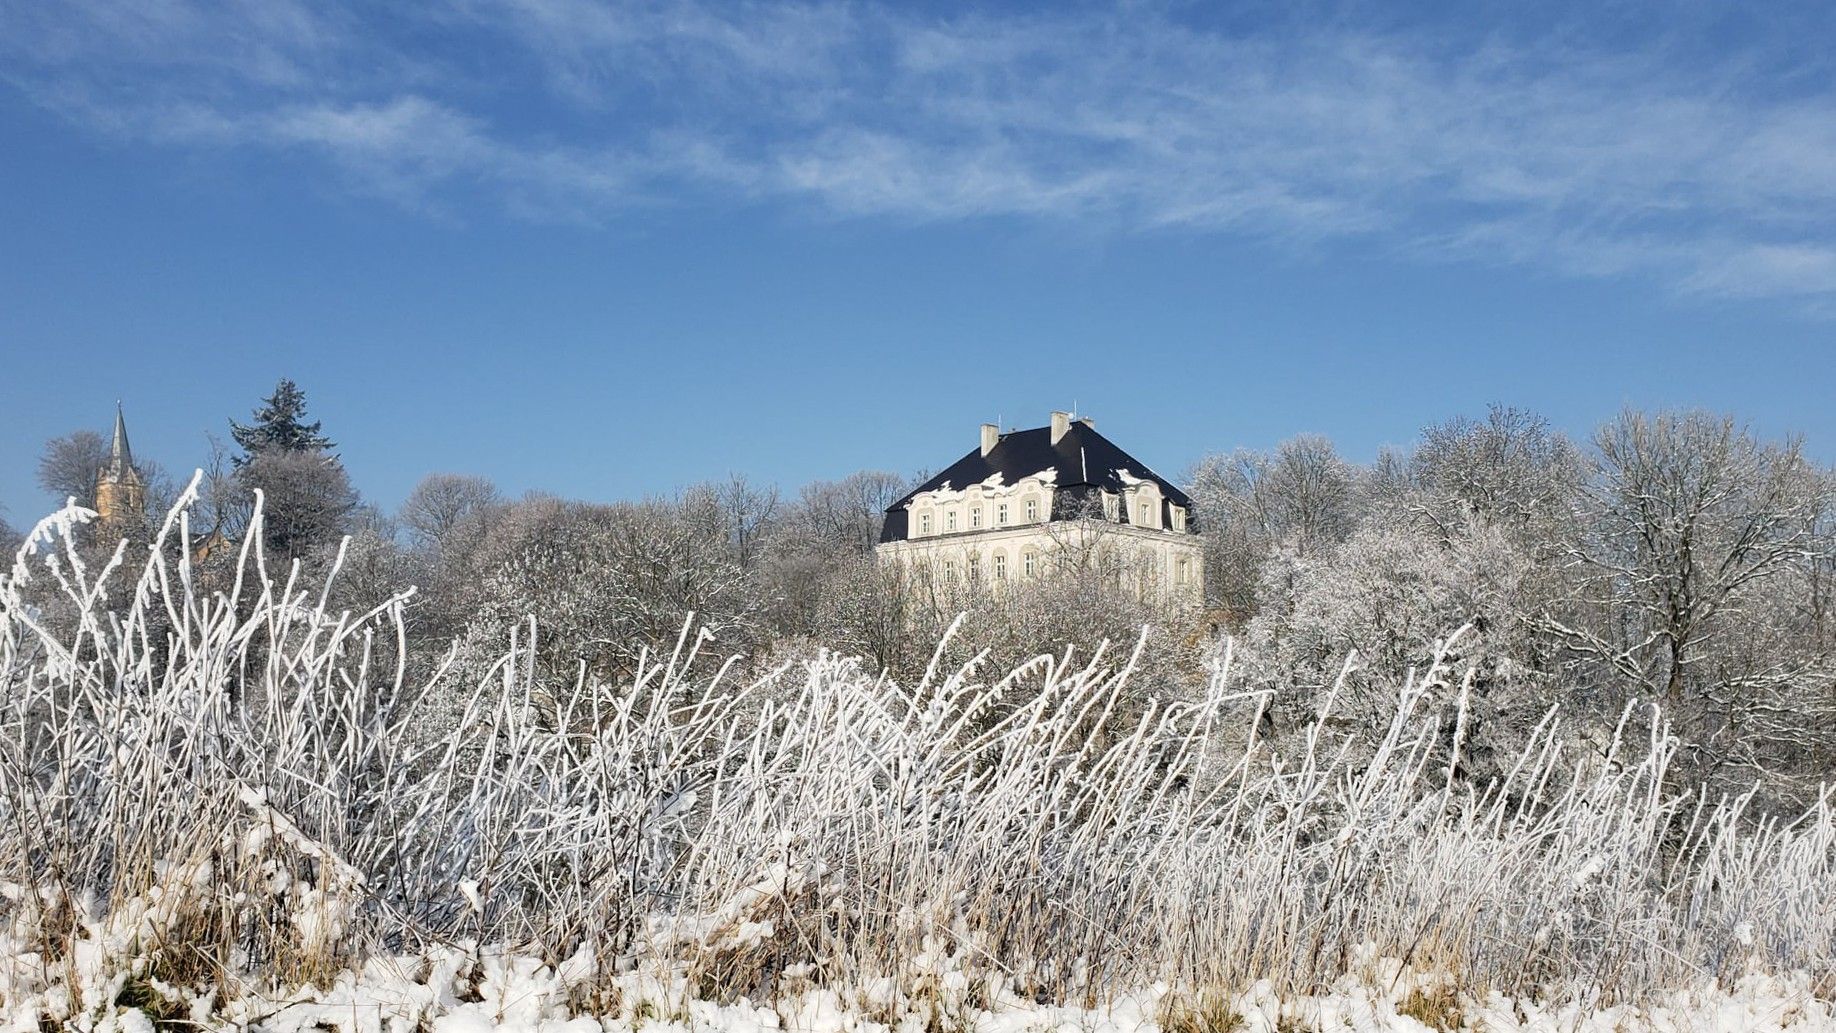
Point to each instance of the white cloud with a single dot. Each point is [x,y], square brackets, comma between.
[1714,173]
[1770,269]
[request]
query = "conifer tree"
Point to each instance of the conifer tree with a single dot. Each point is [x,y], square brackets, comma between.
[309,496]
[279,423]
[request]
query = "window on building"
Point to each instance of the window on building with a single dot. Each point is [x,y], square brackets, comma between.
[1111,506]
[975,516]
[1179,518]
[999,567]
[949,570]
[973,566]
[1183,572]
[1141,513]
[950,520]
[1032,511]
[1001,515]
[924,524]
[1030,563]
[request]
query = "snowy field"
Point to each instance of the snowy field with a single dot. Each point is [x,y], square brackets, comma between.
[227,806]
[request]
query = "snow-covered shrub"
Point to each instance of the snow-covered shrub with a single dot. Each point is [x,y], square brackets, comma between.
[1336,625]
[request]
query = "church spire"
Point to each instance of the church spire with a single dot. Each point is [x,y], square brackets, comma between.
[121,494]
[120,456]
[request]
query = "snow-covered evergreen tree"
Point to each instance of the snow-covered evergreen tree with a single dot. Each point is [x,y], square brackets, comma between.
[279,423]
[310,498]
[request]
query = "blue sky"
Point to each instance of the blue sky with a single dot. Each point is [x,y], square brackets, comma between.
[607,250]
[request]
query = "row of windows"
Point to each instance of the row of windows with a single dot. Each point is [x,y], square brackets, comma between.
[1147,512]
[1029,563]
[1001,516]
[997,566]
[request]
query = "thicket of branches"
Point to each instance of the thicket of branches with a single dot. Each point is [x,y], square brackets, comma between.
[1674,558]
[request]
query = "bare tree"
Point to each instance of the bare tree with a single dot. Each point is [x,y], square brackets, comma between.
[442,504]
[868,608]
[748,510]
[1510,468]
[69,465]
[376,567]
[1302,494]
[816,544]
[1696,542]
[223,504]
[308,501]
[1305,492]
[608,580]
[848,513]
[1820,573]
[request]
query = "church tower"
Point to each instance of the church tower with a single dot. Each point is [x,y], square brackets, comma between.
[121,494]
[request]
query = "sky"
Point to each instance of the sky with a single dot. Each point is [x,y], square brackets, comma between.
[608,250]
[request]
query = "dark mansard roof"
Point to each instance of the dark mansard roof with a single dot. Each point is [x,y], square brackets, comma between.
[1087,462]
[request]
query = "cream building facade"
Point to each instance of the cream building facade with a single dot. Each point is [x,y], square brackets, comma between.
[1029,501]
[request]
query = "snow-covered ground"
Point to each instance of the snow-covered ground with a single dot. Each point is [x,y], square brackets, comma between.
[465,989]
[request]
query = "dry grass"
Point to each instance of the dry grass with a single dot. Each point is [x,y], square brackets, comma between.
[1205,1011]
[1437,1008]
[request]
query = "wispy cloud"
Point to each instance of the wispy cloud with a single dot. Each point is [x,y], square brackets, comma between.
[1707,166]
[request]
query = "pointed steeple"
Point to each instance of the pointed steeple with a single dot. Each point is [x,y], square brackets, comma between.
[121,494]
[120,456]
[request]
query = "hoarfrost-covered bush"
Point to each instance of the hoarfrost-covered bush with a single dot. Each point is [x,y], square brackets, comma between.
[1336,625]
[243,820]
[605,579]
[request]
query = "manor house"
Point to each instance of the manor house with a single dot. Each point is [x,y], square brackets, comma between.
[1028,501]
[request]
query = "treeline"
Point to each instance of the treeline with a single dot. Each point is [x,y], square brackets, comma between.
[768,573]
[1671,559]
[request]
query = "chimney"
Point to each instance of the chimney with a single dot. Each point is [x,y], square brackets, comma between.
[991,434]
[1061,424]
